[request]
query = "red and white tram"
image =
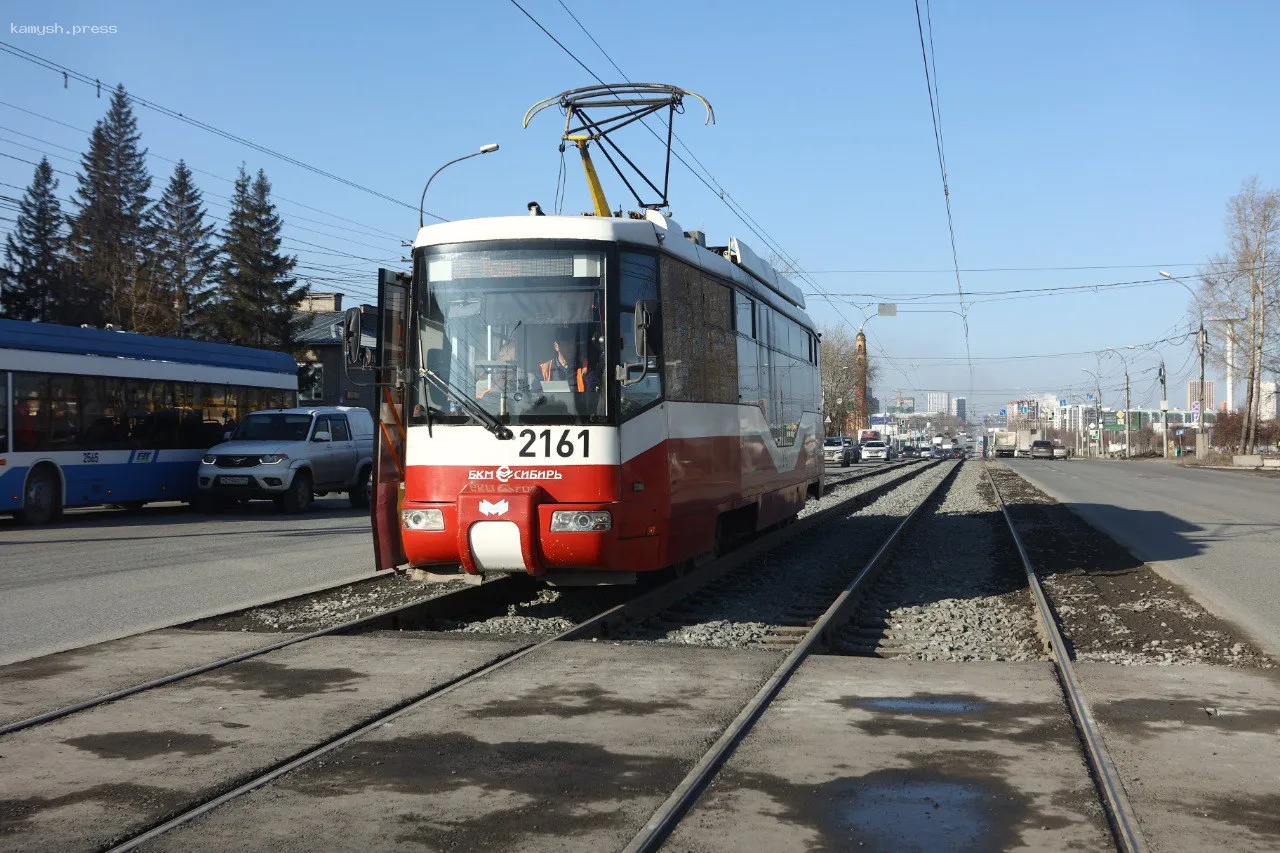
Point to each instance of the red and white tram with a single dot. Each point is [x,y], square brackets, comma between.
[585,398]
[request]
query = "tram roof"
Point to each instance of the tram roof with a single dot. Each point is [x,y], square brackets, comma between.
[50,337]
[654,231]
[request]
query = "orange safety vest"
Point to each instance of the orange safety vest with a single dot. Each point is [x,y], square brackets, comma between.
[581,373]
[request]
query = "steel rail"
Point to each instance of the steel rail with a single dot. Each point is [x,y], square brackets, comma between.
[594,626]
[1115,801]
[672,811]
[353,624]
[433,602]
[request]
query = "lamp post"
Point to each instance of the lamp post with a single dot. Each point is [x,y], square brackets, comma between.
[1128,449]
[484,149]
[1202,342]
[1097,410]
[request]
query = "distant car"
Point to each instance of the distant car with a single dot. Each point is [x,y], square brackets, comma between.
[838,450]
[1060,452]
[910,451]
[1042,449]
[957,453]
[290,455]
[875,451]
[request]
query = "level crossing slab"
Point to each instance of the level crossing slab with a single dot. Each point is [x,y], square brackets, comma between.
[1198,748]
[569,749]
[885,755]
[55,681]
[83,781]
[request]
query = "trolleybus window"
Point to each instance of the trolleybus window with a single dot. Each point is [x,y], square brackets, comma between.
[518,331]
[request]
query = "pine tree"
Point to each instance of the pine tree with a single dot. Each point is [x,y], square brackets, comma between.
[258,295]
[183,258]
[35,280]
[110,232]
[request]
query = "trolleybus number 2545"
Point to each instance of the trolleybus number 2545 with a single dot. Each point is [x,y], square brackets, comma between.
[566,447]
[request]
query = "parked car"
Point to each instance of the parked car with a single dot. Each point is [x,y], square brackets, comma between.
[875,451]
[1042,449]
[291,455]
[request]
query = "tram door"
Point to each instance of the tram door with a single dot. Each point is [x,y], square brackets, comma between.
[389,448]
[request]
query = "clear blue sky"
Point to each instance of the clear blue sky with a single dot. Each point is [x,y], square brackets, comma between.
[1077,135]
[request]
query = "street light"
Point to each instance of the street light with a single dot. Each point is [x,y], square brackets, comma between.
[1097,410]
[1128,450]
[484,149]
[1202,342]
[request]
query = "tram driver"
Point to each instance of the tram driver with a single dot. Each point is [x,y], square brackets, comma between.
[569,365]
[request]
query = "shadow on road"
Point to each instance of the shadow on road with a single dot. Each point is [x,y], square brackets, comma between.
[170,515]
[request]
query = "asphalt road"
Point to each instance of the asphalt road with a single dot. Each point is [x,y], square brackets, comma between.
[1215,532]
[102,574]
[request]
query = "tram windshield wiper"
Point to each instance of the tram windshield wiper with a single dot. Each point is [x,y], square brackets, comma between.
[488,421]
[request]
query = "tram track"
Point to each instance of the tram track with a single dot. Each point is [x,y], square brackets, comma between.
[455,606]
[445,606]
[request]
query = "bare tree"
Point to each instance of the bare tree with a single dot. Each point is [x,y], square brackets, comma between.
[1244,282]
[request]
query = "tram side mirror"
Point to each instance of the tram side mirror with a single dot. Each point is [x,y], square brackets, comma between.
[646,334]
[351,334]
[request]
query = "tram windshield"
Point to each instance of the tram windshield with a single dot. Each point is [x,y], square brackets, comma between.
[518,331]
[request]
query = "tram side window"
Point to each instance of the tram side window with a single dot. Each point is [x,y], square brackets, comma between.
[639,280]
[683,341]
[720,369]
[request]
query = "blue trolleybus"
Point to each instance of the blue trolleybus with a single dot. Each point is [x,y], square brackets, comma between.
[89,416]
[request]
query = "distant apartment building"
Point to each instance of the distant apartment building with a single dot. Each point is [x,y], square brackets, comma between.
[1270,401]
[938,403]
[1193,395]
[959,408]
[1021,410]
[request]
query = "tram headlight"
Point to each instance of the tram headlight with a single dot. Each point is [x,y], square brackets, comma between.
[580,521]
[422,519]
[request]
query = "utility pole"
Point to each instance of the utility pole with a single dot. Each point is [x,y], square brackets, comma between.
[1202,440]
[1128,413]
[1164,409]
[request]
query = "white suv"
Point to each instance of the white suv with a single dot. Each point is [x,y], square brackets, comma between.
[290,455]
[873,450]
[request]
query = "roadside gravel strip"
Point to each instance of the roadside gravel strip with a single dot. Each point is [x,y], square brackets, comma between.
[779,589]
[952,591]
[1112,607]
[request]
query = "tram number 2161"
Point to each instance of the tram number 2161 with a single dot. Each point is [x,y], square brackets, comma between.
[566,446]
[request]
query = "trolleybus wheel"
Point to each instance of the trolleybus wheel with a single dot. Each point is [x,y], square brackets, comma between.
[41,499]
[298,498]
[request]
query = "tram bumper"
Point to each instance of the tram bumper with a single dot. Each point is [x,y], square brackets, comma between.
[511,529]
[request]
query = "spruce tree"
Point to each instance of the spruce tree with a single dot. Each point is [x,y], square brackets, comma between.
[183,258]
[110,232]
[258,295]
[35,280]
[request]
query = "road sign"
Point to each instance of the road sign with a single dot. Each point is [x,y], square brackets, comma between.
[1062,401]
[1195,406]
[1179,431]
[1004,413]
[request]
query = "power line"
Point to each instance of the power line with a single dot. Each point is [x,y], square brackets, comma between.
[935,114]
[205,126]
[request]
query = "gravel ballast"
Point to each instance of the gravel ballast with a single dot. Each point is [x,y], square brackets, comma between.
[784,588]
[953,590]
